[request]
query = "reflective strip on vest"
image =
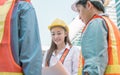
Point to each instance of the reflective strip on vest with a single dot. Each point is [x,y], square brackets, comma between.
[112,69]
[9,73]
[7,64]
[3,14]
[81,63]
[113,48]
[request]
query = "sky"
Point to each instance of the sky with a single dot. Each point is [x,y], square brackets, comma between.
[47,11]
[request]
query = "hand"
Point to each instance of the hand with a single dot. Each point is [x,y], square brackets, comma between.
[86,73]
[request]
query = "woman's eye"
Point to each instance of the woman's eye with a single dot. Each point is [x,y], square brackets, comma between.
[52,34]
[59,33]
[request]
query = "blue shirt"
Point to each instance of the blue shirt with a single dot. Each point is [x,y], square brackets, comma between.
[94,47]
[25,40]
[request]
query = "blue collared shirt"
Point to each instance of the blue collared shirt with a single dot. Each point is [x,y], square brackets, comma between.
[94,47]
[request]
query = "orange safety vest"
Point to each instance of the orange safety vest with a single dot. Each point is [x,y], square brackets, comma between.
[7,64]
[27,0]
[113,67]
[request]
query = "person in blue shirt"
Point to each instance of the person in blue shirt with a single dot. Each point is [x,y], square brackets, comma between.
[94,42]
[25,39]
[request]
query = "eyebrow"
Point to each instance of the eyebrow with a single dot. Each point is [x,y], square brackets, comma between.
[57,32]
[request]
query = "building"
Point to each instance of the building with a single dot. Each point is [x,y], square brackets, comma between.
[117,6]
[111,11]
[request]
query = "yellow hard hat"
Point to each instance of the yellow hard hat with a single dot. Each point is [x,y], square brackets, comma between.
[58,22]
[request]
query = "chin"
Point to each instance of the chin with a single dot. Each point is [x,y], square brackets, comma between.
[58,43]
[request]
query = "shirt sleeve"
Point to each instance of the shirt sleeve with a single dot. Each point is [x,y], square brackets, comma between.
[75,60]
[29,41]
[94,47]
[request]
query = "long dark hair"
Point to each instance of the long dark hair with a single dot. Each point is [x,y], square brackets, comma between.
[53,47]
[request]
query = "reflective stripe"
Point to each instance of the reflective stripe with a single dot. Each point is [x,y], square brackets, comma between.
[113,42]
[112,74]
[1,30]
[111,69]
[117,36]
[80,71]
[3,13]
[80,64]
[7,64]
[9,73]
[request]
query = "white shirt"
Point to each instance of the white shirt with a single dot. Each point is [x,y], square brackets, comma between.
[71,61]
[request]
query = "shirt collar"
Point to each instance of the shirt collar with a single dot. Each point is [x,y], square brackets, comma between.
[104,14]
[61,52]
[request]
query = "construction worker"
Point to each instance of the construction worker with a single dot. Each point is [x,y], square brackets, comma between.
[20,48]
[61,48]
[100,39]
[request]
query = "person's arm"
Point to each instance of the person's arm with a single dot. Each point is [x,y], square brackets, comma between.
[29,41]
[75,61]
[94,48]
[86,73]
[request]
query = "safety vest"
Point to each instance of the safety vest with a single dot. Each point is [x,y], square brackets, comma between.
[27,0]
[8,66]
[113,67]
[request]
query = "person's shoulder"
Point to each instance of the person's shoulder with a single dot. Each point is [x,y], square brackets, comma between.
[23,5]
[75,51]
[76,48]
[97,20]
[98,23]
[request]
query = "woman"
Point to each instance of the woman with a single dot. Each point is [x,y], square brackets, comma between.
[61,48]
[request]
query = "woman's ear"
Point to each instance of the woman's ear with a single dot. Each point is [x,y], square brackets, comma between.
[66,34]
[89,5]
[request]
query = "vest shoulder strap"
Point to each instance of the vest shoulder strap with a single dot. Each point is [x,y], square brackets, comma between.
[65,53]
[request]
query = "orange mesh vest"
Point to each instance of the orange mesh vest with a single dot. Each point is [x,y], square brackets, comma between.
[113,67]
[7,64]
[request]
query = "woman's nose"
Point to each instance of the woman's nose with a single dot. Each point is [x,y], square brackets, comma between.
[79,17]
[55,36]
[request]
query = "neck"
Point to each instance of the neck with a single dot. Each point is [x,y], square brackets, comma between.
[98,12]
[2,2]
[89,18]
[61,46]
